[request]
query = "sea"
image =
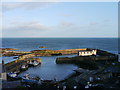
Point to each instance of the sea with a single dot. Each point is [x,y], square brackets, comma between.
[49,69]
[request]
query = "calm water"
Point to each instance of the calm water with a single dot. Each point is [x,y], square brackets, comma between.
[49,69]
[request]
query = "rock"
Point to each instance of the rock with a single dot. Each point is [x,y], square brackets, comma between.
[7,49]
[14,53]
[42,47]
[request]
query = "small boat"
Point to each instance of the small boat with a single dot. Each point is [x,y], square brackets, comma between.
[24,67]
[30,63]
[33,63]
[26,76]
[32,81]
[17,71]
[13,76]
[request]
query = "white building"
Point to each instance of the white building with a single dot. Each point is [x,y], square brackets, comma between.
[87,53]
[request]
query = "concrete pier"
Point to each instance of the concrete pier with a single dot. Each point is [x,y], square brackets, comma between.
[14,65]
[89,61]
[85,59]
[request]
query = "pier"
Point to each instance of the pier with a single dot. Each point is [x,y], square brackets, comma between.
[89,61]
[15,65]
[24,57]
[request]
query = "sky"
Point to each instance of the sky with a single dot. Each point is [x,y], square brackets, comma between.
[60,19]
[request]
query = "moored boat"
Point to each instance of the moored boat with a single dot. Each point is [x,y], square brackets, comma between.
[32,81]
[36,63]
[13,76]
[24,67]
[17,71]
[30,63]
[33,63]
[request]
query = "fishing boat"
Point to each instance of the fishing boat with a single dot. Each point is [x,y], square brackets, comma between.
[32,81]
[13,76]
[24,67]
[36,63]
[33,63]
[17,71]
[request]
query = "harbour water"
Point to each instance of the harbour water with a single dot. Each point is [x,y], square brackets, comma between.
[49,69]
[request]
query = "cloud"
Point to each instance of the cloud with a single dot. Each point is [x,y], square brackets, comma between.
[67,15]
[106,20]
[93,23]
[25,5]
[26,26]
[25,29]
[31,1]
[66,24]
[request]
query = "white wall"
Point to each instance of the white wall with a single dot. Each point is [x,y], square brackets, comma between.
[87,53]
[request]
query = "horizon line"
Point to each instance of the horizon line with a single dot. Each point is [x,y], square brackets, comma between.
[59,37]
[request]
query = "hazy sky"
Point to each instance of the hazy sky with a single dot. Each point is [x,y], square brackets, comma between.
[60,19]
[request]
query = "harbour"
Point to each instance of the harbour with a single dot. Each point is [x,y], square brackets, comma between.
[50,60]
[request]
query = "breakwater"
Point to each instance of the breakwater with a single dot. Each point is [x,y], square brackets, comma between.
[56,52]
[14,53]
[46,52]
[78,59]
[23,57]
[89,61]
[15,65]
[84,61]
[104,53]
[101,55]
